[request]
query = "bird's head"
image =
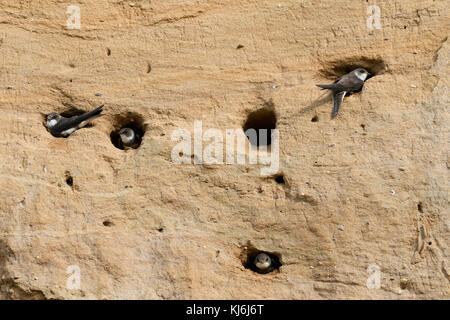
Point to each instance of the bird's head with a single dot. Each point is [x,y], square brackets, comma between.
[52,119]
[362,74]
[126,134]
[262,261]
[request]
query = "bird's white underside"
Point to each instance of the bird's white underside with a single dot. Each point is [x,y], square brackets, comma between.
[126,139]
[262,265]
[361,77]
[51,123]
[68,131]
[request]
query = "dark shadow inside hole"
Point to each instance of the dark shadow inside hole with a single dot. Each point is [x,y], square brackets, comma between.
[420,207]
[263,119]
[108,51]
[129,120]
[336,69]
[108,223]
[280,179]
[315,119]
[160,229]
[72,111]
[69,179]
[249,260]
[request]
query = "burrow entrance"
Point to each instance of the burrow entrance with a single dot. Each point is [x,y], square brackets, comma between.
[129,120]
[249,254]
[334,69]
[263,118]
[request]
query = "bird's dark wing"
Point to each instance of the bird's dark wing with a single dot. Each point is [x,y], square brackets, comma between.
[337,100]
[67,123]
[88,115]
[349,82]
[62,125]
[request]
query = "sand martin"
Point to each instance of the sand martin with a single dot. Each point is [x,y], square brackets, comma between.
[263,263]
[60,126]
[129,138]
[349,83]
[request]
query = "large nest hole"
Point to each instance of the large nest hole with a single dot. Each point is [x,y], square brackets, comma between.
[335,69]
[249,254]
[263,118]
[129,120]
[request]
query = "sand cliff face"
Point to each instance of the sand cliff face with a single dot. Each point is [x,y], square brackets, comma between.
[363,195]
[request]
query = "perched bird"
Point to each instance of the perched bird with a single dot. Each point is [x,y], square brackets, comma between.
[263,263]
[129,138]
[60,126]
[349,83]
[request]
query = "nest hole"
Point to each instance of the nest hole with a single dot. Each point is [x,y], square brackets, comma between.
[420,207]
[335,69]
[129,120]
[108,223]
[262,121]
[315,119]
[279,179]
[249,255]
[69,179]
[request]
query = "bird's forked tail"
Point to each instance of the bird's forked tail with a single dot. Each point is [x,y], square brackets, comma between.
[325,86]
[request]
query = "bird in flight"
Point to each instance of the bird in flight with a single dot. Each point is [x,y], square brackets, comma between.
[349,83]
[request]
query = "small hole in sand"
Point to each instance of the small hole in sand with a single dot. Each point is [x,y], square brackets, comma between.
[280,179]
[69,179]
[420,207]
[315,119]
[108,223]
